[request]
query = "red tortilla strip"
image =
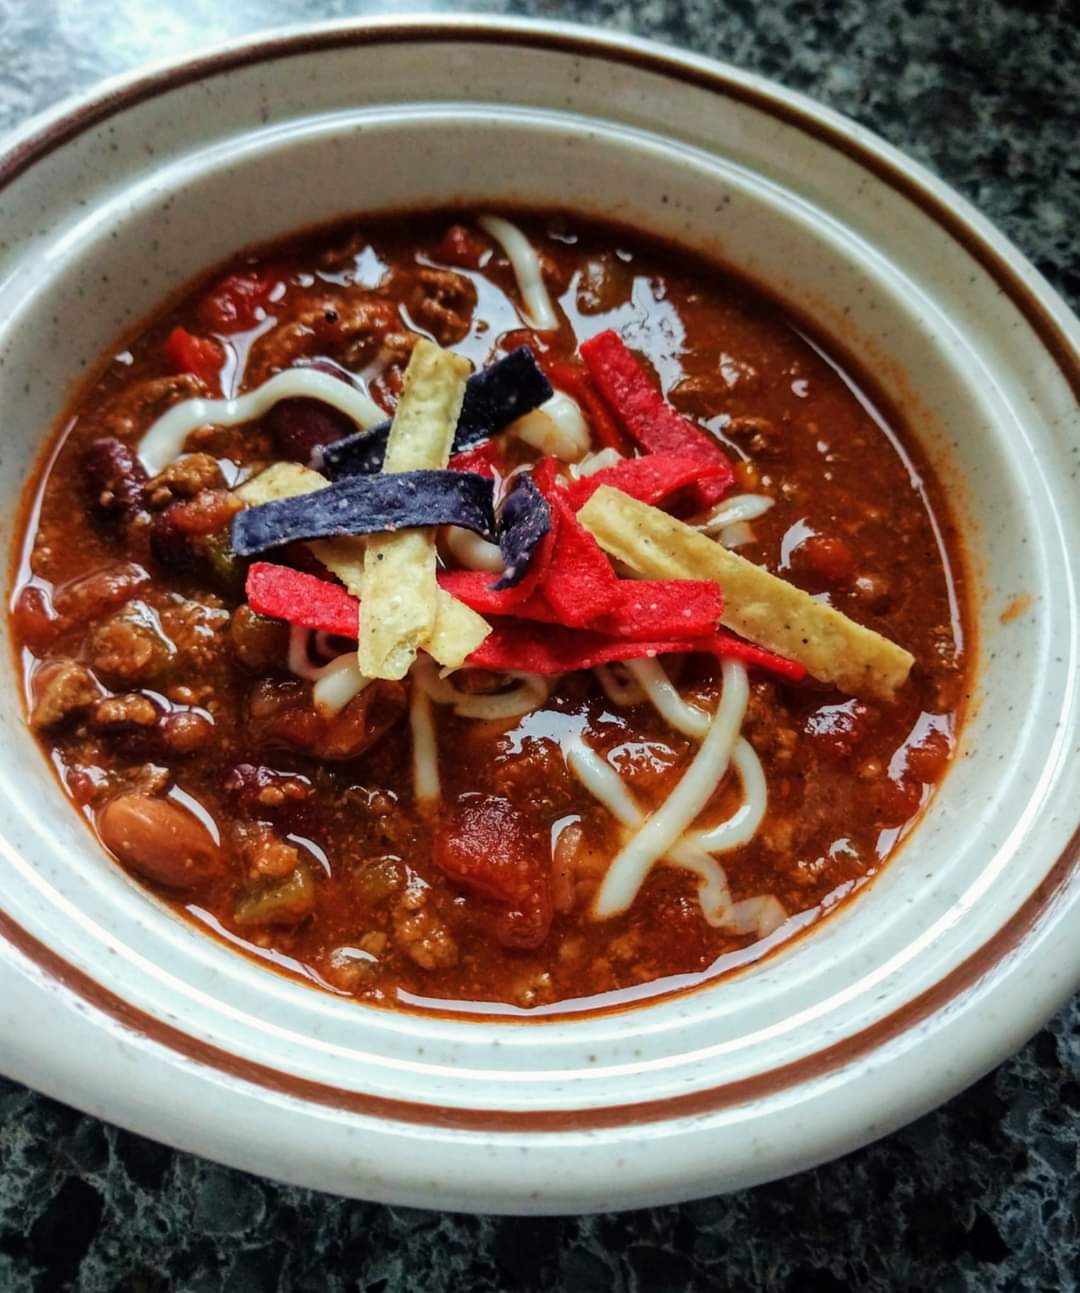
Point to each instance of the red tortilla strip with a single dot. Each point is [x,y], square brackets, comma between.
[300,598]
[648,608]
[651,479]
[646,416]
[515,645]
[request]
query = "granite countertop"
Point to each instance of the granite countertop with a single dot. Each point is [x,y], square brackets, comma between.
[978,1196]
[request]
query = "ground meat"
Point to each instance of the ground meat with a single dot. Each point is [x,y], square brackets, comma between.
[760,436]
[196,629]
[259,788]
[765,730]
[350,329]
[540,767]
[442,303]
[133,412]
[124,712]
[88,596]
[264,854]
[61,690]
[422,934]
[185,478]
[128,647]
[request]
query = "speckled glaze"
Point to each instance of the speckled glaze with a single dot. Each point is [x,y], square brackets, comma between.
[903,331]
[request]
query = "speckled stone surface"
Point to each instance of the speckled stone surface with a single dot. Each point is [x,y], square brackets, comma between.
[980,1196]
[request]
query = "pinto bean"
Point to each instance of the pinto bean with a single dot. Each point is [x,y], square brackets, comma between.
[160,841]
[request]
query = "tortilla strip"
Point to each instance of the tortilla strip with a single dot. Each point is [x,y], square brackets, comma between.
[400,595]
[282,480]
[458,630]
[757,605]
[342,557]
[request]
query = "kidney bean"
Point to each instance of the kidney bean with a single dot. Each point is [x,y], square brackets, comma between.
[114,479]
[299,426]
[160,841]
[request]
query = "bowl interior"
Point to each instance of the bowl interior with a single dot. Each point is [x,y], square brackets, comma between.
[122,236]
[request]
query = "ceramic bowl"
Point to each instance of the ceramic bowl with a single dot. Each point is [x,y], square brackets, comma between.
[940,969]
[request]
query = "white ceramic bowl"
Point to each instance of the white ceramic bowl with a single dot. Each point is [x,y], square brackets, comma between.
[945,965]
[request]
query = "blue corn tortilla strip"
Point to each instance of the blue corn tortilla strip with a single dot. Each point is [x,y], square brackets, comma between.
[525,519]
[370,505]
[494,397]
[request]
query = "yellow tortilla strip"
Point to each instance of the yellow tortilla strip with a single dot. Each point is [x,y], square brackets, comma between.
[400,596]
[282,480]
[458,631]
[757,605]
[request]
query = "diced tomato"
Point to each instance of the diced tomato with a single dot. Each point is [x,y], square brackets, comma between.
[487,844]
[538,342]
[234,304]
[838,730]
[190,354]
[825,557]
[460,246]
[928,760]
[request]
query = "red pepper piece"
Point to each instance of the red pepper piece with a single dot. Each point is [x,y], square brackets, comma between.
[484,459]
[649,609]
[190,354]
[650,479]
[486,844]
[287,594]
[644,413]
[572,379]
[516,645]
[234,304]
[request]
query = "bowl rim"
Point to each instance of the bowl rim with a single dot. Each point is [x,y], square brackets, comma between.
[1048,317]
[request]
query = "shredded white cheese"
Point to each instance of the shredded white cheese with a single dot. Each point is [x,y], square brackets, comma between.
[335,683]
[165,439]
[540,312]
[741,827]
[740,507]
[761,915]
[473,552]
[594,462]
[557,427]
[602,781]
[676,814]
[658,687]
[616,689]
[425,749]
[531,692]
